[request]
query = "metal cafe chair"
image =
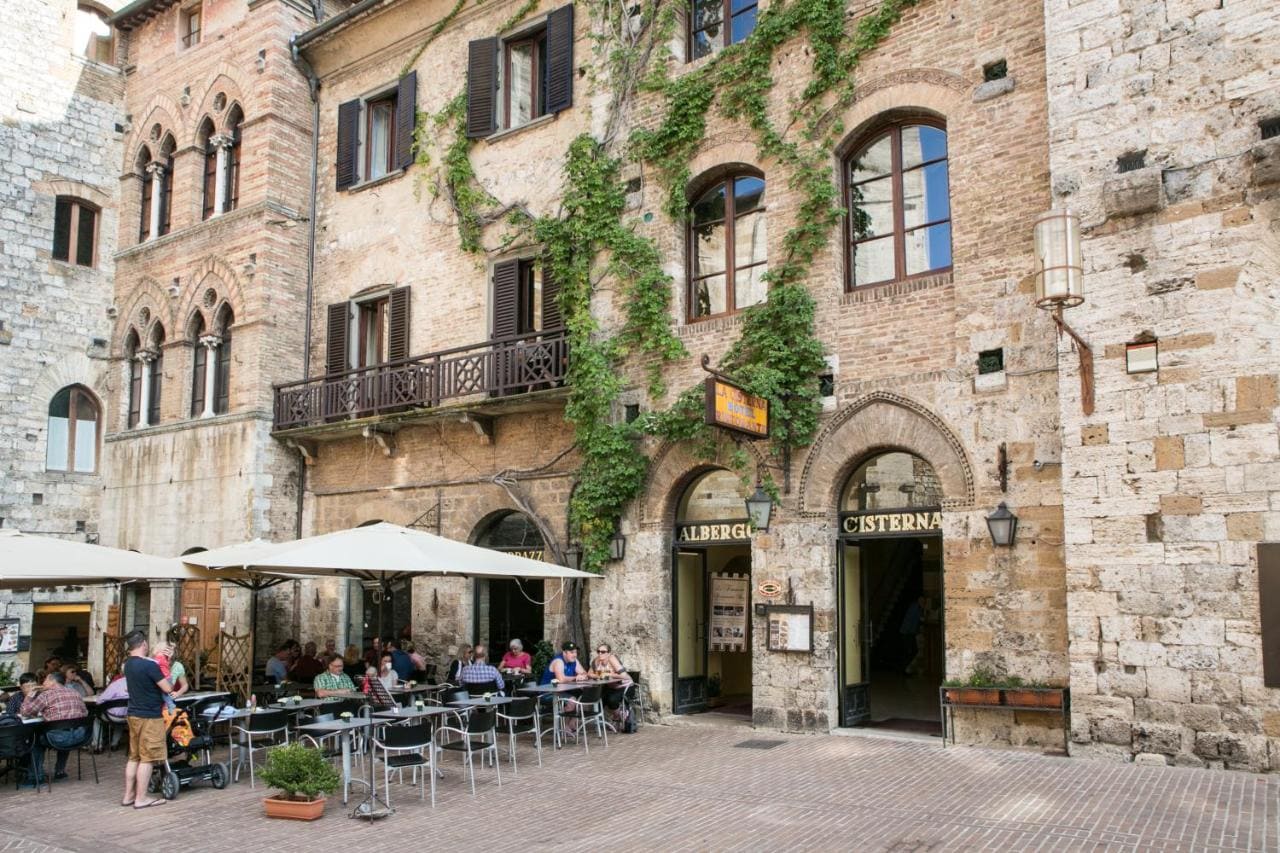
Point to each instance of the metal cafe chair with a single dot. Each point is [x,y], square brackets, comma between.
[480,735]
[15,747]
[108,722]
[589,706]
[404,747]
[521,718]
[259,732]
[85,740]
[479,688]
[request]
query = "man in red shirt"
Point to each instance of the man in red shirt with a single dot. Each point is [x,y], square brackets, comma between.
[55,701]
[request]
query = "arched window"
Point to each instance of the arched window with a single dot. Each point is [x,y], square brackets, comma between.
[72,439]
[144,197]
[93,34]
[222,375]
[155,372]
[728,247]
[893,480]
[209,174]
[75,231]
[132,347]
[717,495]
[899,206]
[199,366]
[234,120]
[708,31]
[167,148]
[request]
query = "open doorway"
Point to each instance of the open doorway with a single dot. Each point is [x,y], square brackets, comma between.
[510,609]
[61,631]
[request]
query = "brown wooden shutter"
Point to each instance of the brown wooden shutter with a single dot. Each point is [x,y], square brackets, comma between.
[348,142]
[560,59]
[157,378]
[482,86]
[406,118]
[1269,610]
[506,298]
[398,324]
[197,379]
[337,328]
[135,391]
[551,318]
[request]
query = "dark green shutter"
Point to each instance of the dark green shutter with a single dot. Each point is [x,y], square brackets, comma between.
[506,298]
[560,59]
[482,86]
[336,329]
[348,142]
[406,118]
[398,324]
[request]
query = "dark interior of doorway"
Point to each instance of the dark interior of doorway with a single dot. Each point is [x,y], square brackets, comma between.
[392,609]
[509,610]
[904,589]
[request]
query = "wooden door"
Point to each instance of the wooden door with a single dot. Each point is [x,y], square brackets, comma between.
[202,607]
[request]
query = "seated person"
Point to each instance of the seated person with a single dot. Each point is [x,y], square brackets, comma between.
[456,665]
[419,662]
[306,667]
[353,662]
[118,688]
[333,680]
[400,660]
[373,687]
[517,660]
[79,680]
[607,665]
[479,671]
[14,705]
[55,701]
[564,666]
[387,673]
[278,665]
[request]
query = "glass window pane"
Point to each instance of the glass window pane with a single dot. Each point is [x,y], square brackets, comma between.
[873,261]
[871,209]
[379,139]
[708,249]
[710,207]
[55,457]
[736,6]
[875,160]
[928,248]
[86,444]
[707,13]
[924,195]
[85,409]
[748,193]
[742,25]
[749,286]
[709,296]
[60,405]
[521,84]
[84,239]
[62,229]
[922,143]
[704,44]
[750,239]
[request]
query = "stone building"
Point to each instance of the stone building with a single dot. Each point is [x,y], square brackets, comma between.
[1164,138]
[441,398]
[61,127]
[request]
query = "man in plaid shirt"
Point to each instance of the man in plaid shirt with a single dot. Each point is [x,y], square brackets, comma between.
[479,671]
[54,701]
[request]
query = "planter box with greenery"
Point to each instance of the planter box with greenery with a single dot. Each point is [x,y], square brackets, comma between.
[984,687]
[303,777]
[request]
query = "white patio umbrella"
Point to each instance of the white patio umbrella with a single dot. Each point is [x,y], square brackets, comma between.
[29,559]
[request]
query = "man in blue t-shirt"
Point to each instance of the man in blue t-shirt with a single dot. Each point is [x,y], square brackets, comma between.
[400,660]
[147,686]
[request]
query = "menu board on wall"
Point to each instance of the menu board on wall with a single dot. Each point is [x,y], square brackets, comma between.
[790,628]
[729,595]
[8,636]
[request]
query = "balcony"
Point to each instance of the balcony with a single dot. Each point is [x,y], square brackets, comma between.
[494,369]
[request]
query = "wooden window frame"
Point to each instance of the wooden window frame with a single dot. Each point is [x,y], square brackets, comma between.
[209,180]
[526,311]
[232,197]
[199,371]
[155,404]
[222,373]
[73,236]
[726,22]
[390,101]
[730,269]
[133,414]
[894,129]
[186,35]
[380,308]
[77,392]
[166,199]
[537,38]
[144,225]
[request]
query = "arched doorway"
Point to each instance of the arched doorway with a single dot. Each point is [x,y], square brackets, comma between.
[509,609]
[890,594]
[710,596]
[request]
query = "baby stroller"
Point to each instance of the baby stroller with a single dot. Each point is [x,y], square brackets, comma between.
[189,742]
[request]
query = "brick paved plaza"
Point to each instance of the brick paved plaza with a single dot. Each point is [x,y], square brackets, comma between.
[690,788]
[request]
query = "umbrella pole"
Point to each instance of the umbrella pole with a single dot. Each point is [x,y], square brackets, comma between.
[253,626]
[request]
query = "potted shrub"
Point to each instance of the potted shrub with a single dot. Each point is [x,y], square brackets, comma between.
[303,777]
[978,689]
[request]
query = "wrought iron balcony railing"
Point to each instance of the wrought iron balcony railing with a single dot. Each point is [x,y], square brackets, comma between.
[496,368]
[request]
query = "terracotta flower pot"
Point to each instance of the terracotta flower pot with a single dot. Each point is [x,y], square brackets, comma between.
[289,809]
[975,696]
[1022,696]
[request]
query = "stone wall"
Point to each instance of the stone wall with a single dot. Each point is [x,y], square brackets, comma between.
[1172,481]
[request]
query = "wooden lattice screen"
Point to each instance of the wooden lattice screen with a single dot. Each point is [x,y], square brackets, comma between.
[113,655]
[187,648]
[235,663]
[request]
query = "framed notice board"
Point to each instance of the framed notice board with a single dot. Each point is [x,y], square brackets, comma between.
[790,627]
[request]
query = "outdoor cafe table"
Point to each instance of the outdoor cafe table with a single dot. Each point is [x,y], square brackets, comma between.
[304,705]
[412,713]
[481,702]
[558,689]
[347,728]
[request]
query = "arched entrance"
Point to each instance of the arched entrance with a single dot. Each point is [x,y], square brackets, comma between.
[710,595]
[505,610]
[890,594]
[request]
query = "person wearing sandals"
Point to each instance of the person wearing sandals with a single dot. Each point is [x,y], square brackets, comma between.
[147,689]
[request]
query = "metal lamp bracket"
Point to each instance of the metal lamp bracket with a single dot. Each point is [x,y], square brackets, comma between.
[1086,361]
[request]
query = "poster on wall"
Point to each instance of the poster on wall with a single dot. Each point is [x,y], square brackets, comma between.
[790,628]
[8,636]
[729,613]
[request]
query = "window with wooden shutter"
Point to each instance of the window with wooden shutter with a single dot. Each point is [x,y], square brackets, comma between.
[406,116]
[135,379]
[222,375]
[166,200]
[144,201]
[210,180]
[75,231]
[198,370]
[551,317]
[482,86]
[398,325]
[157,373]
[336,330]
[348,142]
[560,59]
[506,299]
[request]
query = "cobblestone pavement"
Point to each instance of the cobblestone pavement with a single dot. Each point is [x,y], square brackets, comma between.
[699,788]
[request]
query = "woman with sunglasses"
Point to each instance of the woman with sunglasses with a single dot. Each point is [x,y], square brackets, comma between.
[607,665]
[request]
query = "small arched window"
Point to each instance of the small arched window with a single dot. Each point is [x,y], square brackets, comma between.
[222,373]
[209,174]
[144,197]
[898,204]
[728,247]
[72,439]
[199,366]
[93,37]
[235,120]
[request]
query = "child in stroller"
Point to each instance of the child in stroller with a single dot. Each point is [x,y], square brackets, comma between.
[189,738]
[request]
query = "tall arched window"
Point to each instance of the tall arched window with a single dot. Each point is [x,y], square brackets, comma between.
[234,121]
[167,148]
[728,247]
[199,365]
[222,375]
[899,206]
[209,175]
[144,197]
[72,439]
[155,370]
[132,346]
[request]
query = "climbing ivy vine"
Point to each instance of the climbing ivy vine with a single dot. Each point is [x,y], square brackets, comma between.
[590,240]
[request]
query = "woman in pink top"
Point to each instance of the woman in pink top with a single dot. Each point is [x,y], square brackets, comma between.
[517,659]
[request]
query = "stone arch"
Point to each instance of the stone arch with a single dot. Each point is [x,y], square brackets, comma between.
[231,82]
[73,368]
[225,281]
[76,189]
[911,90]
[162,110]
[149,294]
[197,324]
[222,310]
[723,151]
[877,422]
[482,526]
[673,467]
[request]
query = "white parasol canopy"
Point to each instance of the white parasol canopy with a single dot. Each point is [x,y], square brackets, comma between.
[29,559]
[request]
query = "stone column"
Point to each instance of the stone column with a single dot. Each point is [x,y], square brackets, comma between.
[211,344]
[223,143]
[156,171]
[145,356]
